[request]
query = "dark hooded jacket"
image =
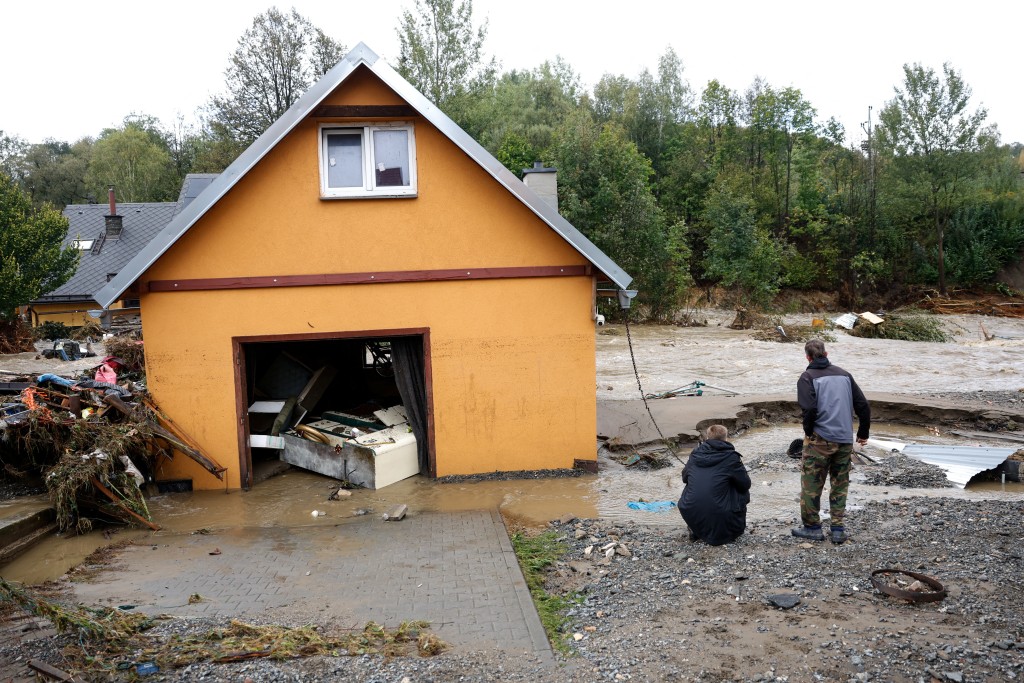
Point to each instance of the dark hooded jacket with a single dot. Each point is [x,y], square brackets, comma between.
[716,493]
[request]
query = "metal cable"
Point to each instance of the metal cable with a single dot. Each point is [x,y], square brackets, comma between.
[643,397]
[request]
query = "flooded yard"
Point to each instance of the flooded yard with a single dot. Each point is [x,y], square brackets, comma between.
[667,357]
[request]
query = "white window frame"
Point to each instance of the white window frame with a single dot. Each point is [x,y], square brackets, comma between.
[369,188]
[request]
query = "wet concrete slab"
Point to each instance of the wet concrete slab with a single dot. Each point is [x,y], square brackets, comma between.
[24,521]
[456,570]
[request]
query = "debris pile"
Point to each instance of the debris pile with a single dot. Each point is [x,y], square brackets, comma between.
[96,440]
[983,306]
[906,327]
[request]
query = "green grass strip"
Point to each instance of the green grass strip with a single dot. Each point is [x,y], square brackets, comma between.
[535,554]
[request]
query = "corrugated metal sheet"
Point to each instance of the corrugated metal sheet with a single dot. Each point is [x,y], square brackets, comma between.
[960,463]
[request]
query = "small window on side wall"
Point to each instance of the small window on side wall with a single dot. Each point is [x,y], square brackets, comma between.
[372,160]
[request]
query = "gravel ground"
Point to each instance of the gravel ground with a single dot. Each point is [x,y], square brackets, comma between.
[662,608]
[903,471]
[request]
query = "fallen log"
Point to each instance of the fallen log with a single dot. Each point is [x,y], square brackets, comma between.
[208,464]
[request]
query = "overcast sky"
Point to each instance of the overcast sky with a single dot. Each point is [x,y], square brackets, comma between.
[72,68]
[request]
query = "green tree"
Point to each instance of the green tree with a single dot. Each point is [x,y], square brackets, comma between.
[276,60]
[135,162]
[54,172]
[12,155]
[932,138]
[649,108]
[32,260]
[605,191]
[740,254]
[441,53]
[518,119]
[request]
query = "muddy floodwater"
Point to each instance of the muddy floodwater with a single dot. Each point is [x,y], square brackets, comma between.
[667,357]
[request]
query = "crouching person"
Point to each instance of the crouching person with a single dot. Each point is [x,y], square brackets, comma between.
[716,490]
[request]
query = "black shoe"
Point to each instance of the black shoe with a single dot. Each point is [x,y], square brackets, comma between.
[839,535]
[811,533]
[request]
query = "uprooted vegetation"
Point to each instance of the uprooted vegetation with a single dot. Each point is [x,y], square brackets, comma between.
[107,641]
[903,327]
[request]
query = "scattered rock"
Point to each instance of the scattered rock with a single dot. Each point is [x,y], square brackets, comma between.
[784,600]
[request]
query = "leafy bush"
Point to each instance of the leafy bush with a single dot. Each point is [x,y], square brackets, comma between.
[53,331]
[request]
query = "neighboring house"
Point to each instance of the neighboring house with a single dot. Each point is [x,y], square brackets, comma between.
[107,236]
[364,220]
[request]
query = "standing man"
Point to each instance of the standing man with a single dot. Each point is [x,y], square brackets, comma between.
[828,397]
[716,490]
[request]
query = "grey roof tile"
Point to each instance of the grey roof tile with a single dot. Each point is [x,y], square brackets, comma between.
[141,222]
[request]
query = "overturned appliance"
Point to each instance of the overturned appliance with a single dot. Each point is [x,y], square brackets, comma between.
[367,453]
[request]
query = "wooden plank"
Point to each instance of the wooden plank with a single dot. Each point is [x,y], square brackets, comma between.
[51,671]
[197,455]
[322,279]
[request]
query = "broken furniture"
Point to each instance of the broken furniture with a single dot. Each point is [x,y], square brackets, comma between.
[373,459]
[295,390]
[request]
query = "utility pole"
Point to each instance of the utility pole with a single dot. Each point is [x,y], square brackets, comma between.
[869,148]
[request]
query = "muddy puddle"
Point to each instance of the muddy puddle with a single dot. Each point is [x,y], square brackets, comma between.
[289,499]
[668,357]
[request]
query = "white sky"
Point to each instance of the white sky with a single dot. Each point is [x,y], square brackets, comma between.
[72,68]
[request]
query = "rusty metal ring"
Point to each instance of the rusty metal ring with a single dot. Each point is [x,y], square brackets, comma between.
[938,593]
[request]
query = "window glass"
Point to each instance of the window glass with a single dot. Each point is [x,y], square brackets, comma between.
[345,159]
[391,157]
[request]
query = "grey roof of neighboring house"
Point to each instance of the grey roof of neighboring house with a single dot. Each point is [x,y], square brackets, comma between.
[141,222]
[360,55]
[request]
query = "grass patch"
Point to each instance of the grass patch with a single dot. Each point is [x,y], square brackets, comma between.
[536,553]
[922,328]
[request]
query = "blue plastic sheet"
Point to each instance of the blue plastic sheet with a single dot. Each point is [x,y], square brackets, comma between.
[658,506]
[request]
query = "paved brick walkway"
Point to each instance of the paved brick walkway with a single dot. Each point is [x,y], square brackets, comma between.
[455,570]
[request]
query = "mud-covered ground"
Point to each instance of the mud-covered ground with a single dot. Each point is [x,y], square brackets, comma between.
[663,608]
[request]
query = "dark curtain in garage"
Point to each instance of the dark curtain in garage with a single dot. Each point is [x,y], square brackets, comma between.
[407,359]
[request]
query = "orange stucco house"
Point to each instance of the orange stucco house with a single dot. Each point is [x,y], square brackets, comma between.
[365,219]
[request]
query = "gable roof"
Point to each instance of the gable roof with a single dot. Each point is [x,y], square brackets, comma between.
[361,55]
[141,223]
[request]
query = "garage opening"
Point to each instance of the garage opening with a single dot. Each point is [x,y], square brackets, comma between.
[353,406]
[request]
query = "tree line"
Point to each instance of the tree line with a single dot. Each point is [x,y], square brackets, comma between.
[687,189]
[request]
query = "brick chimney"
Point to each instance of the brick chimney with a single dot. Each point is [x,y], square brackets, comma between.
[543,181]
[112,223]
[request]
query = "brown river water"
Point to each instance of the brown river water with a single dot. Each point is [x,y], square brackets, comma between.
[666,357]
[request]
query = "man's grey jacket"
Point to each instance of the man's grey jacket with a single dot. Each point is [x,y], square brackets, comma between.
[829,397]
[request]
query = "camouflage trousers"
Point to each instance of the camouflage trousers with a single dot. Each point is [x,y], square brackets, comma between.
[824,459]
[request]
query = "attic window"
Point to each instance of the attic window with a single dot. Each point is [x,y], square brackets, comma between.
[376,160]
[83,245]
